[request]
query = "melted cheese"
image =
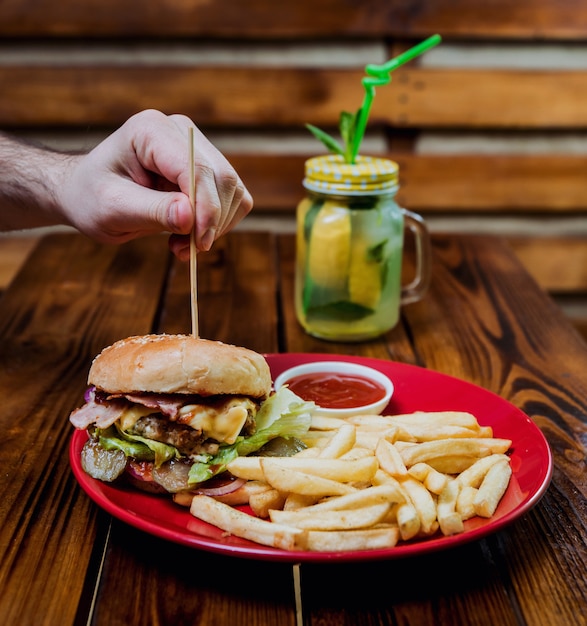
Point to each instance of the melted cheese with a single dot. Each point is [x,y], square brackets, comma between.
[222,422]
[131,416]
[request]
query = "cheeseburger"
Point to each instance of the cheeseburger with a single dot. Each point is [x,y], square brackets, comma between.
[169,412]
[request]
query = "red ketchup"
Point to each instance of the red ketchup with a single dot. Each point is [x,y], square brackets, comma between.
[331,390]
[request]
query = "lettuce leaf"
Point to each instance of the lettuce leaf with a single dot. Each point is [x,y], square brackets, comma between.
[136,446]
[282,403]
[283,414]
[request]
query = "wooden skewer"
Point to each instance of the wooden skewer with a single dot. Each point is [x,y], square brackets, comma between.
[193,250]
[298,595]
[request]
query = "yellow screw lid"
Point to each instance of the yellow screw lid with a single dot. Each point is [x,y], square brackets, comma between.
[369,175]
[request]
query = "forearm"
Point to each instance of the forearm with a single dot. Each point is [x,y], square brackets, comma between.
[136,182]
[30,179]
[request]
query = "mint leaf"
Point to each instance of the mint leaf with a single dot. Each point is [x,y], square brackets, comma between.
[326,139]
[376,253]
[342,310]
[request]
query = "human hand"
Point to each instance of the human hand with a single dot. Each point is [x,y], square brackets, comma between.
[136,182]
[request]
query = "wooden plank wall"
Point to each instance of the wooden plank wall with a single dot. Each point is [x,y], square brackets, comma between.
[71,72]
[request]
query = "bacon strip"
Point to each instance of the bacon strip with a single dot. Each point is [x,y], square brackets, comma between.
[103,415]
[168,405]
[109,408]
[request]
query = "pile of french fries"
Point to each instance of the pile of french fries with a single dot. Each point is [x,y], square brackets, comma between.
[367,482]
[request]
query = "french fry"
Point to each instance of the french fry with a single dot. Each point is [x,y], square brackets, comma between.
[288,480]
[370,439]
[309,453]
[247,467]
[449,520]
[339,519]
[473,475]
[421,433]
[241,524]
[383,478]
[451,524]
[452,464]
[183,498]
[367,482]
[243,494]
[357,453]
[315,438]
[465,507]
[333,469]
[370,425]
[344,541]
[253,468]
[360,499]
[342,442]
[262,501]
[294,501]
[390,460]
[492,489]
[497,445]
[429,451]
[239,496]
[454,418]
[324,422]
[432,479]
[370,422]
[408,520]
[423,503]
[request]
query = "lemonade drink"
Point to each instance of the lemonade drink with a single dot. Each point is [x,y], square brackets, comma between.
[350,234]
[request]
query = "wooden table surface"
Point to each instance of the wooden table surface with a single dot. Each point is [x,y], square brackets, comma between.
[63,560]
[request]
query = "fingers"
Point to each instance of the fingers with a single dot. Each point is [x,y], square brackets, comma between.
[221,198]
[136,182]
[242,205]
[180,246]
[127,212]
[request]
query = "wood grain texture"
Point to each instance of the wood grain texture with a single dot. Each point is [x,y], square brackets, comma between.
[248,97]
[259,18]
[233,96]
[71,299]
[13,253]
[236,293]
[547,259]
[483,320]
[179,18]
[488,98]
[173,584]
[85,94]
[467,184]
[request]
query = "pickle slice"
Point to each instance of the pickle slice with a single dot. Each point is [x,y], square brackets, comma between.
[102,464]
[172,476]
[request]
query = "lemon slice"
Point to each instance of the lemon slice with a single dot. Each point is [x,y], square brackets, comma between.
[330,247]
[301,212]
[364,277]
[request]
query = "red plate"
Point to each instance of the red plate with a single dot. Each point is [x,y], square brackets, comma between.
[415,389]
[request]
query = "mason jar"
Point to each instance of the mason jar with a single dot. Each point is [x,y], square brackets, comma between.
[349,249]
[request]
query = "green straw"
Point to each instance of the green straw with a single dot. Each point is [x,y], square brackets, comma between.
[381,75]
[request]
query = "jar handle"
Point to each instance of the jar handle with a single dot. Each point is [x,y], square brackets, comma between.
[416,289]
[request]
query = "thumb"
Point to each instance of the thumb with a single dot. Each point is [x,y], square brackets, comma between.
[150,211]
[174,213]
